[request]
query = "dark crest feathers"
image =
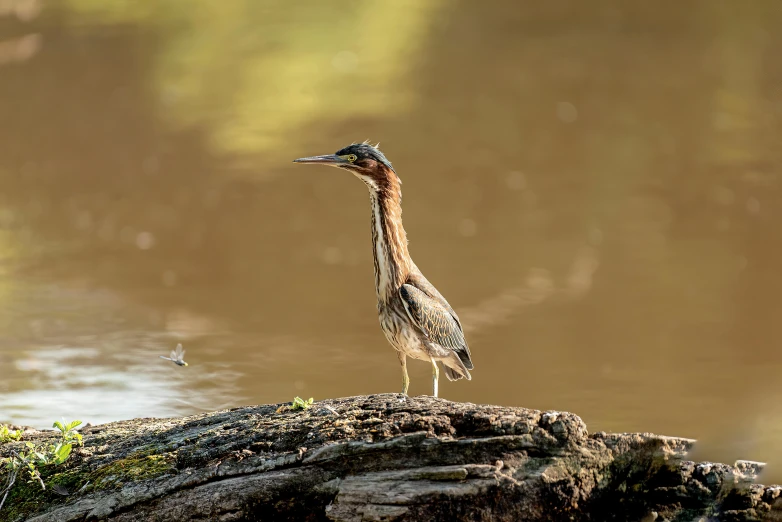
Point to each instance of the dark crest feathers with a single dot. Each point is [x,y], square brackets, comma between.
[365,150]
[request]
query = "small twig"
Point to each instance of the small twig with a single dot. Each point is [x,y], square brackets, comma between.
[11,481]
[37,475]
[84,486]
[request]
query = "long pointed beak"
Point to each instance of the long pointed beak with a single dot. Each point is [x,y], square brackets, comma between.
[328,159]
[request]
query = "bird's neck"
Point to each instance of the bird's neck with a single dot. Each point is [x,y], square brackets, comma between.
[389,241]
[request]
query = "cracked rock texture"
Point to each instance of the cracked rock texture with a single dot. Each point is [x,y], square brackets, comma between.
[381,458]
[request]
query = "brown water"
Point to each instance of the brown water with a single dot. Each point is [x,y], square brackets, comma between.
[594,186]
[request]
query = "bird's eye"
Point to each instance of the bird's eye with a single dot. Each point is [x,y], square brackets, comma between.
[352,157]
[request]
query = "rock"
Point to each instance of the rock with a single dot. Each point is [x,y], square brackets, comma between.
[383,459]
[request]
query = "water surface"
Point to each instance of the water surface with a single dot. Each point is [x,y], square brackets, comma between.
[594,187]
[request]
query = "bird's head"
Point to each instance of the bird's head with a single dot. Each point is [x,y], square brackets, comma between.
[364,161]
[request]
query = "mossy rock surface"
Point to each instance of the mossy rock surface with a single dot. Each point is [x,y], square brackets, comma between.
[381,457]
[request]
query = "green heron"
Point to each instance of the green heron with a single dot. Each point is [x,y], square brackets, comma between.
[415,318]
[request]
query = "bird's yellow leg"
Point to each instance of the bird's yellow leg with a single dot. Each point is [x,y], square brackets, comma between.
[435,377]
[405,378]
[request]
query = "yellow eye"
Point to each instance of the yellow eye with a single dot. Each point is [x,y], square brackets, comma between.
[352,157]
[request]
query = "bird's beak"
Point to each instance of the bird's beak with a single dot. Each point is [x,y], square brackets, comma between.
[328,159]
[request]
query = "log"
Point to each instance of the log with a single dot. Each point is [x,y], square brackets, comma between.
[380,457]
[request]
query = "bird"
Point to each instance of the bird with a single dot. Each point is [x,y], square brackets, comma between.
[416,319]
[177,356]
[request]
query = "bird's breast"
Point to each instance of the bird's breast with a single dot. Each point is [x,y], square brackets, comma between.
[399,332]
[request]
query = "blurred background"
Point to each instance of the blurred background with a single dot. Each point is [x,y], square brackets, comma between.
[595,187]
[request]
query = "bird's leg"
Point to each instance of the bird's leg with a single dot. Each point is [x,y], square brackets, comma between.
[435,377]
[405,378]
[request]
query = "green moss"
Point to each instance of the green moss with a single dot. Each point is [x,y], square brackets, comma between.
[444,475]
[149,450]
[134,468]
[24,499]
[27,498]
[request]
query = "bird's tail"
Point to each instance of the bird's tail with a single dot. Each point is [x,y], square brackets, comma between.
[455,369]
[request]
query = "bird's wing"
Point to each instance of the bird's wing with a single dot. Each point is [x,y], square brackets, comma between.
[434,320]
[418,280]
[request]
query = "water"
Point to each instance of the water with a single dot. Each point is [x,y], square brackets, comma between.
[594,187]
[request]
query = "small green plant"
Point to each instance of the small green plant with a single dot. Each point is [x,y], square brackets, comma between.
[68,434]
[31,457]
[6,435]
[300,404]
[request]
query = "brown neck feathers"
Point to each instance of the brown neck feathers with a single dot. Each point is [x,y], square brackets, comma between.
[389,240]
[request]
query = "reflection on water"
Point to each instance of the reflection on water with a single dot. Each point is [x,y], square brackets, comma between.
[67,380]
[55,369]
[594,187]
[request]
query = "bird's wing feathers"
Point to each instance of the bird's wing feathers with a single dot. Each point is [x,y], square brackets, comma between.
[435,320]
[418,280]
